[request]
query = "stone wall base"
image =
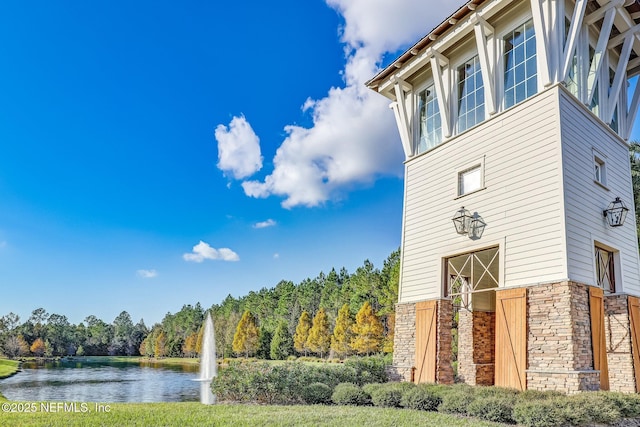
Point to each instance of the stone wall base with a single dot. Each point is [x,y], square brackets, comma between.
[570,382]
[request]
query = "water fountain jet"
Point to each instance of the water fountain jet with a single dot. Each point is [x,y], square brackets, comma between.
[208,364]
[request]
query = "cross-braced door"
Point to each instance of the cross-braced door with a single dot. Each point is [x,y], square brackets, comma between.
[511,338]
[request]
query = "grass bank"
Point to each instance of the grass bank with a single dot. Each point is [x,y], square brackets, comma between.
[195,414]
[8,367]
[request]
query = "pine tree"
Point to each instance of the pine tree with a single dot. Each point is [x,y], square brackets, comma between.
[302,333]
[245,339]
[341,338]
[264,344]
[367,331]
[319,338]
[282,343]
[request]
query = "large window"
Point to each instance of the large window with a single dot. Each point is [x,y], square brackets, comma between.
[571,81]
[470,278]
[470,95]
[520,69]
[605,269]
[614,120]
[430,124]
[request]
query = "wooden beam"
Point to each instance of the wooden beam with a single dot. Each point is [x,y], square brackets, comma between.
[601,49]
[402,118]
[615,41]
[598,14]
[542,41]
[572,38]
[619,77]
[485,42]
[441,81]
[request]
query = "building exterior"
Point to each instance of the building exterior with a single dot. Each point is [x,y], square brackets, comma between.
[514,116]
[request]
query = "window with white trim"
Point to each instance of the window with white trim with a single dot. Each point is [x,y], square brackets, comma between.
[600,170]
[470,180]
[520,67]
[430,131]
[470,94]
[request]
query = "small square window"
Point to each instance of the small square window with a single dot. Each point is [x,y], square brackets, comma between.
[470,180]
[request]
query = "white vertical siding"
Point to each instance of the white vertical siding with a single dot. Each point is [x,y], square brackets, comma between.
[585,200]
[521,204]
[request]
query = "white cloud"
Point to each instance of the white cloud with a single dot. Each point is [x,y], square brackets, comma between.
[265,224]
[354,138]
[203,251]
[147,274]
[238,149]
[276,256]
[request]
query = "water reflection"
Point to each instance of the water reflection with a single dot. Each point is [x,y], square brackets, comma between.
[102,382]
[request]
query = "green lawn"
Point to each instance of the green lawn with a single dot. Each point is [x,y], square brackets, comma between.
[195,414]
[8,367]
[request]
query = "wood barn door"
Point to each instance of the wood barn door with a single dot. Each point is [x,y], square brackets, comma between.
[426,342]
[634,319]
[511,338]
[598,341]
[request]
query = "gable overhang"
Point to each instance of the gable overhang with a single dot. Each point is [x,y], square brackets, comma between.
[461,23]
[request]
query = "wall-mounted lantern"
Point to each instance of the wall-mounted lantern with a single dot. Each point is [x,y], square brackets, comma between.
[468,224]
[476,228]
[462,221]
[616,213]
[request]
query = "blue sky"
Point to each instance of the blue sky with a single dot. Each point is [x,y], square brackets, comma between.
[114,194]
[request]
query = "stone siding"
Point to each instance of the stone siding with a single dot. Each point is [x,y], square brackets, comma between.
[476,347]
[618,340]
[404,343]
[444,355]
[560,355]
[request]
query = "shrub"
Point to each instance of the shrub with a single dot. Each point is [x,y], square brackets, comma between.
[539,413]
[456,399]
[316,393]
[590,408]
[528,395]
[349,394]
[371,388]
[421,398]
[370,369]
[388,396]
[493,408]
[628,404]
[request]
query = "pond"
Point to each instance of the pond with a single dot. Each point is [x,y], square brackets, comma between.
[103,381]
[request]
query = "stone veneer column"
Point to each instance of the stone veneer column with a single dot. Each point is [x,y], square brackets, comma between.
[404,343]
[618,336]
[560,355]
[444,355]
[476,347]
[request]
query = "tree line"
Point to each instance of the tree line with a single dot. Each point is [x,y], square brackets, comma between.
[274,318]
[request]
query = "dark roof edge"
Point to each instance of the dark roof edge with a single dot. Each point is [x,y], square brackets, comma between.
[467,8]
